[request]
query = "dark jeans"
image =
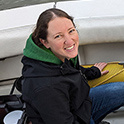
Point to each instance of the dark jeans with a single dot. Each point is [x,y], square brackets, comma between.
[105,99]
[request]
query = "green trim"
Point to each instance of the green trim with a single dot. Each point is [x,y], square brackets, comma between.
[43,54]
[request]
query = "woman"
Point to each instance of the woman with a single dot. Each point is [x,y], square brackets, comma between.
[55,86]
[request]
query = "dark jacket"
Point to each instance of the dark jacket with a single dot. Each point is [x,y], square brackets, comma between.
[56,93]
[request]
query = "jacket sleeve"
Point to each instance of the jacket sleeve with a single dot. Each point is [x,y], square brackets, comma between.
[91,73]
[53,106]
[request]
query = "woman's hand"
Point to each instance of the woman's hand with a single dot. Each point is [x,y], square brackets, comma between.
[101,65]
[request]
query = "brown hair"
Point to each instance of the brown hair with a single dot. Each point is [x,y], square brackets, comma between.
[42,23]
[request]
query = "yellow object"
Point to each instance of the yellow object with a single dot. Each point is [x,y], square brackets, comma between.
[116,74]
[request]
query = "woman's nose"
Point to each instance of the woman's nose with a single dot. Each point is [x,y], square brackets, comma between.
[68,39]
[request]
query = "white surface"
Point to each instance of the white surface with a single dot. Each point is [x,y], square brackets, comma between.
[12,117]
[104,52]
[10,68]
[93,8]
[22,16]
[12,41]
[100,30]
[117,117]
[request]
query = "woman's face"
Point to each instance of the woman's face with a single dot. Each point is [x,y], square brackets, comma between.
[62,38]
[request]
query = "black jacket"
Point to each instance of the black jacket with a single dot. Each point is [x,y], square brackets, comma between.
[57,94]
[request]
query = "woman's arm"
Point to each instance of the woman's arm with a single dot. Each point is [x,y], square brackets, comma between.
[94,71]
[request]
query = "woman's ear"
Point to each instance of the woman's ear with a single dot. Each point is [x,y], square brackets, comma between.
[44,42]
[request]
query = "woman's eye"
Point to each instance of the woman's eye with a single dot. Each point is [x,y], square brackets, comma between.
[71,30]
[58,36]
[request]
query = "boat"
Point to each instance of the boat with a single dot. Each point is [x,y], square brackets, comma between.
[100,24]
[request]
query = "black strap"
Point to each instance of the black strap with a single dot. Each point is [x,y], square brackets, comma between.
[17,84]
[13,88]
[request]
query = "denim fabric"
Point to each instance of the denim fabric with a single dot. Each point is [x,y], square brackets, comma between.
[105,99]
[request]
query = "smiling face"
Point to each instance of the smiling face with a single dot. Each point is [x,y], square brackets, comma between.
[62,38]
